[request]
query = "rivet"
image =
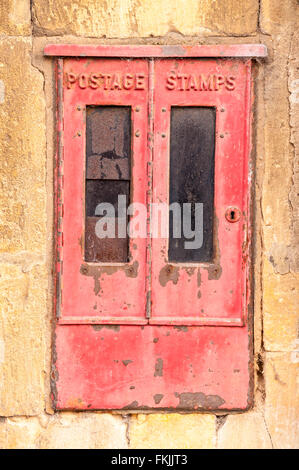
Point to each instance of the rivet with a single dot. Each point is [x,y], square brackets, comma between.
[222,136]
[163,135]
[163,110]
[79,133]
[79,108]
[137,133]
[137,109]
[222,110]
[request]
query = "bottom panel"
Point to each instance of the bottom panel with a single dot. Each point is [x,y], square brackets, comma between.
[151,367]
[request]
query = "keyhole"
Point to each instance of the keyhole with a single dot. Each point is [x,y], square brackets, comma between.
[232,214]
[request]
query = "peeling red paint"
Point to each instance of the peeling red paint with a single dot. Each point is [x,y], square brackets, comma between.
[191,349]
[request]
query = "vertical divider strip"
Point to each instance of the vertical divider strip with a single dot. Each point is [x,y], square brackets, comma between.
[150,140]
[58,187]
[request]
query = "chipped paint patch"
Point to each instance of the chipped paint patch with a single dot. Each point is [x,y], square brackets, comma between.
[158,367]
[158,397]
[126,362]
[196,400]
[108,327]
[169,273]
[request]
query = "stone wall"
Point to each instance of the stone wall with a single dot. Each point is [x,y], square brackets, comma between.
[27,419]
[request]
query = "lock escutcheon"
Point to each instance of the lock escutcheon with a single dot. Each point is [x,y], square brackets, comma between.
[232,214]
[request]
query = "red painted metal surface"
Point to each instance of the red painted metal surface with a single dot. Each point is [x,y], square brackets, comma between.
[107,290]
[205,293]
[215,50]
[127,337]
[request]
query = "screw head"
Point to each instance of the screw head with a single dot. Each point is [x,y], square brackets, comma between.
[137,109]
[163,110]
[137,133]
[163,136]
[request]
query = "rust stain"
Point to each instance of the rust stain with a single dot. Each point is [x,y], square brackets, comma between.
[181,328]
[169,273]
[189,271]
[131,270]
[198,278]
[158,367]
[75,403]
[198,400]
[158,397]
[108,327]
[126,362]
[214,272]
[135,406]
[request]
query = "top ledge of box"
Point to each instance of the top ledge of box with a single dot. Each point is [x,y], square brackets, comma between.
[230,50]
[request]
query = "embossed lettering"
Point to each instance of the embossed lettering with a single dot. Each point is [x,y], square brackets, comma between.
[182,77]
[140,81]
[107,78]
[128,81]
[201,82]
[192,82]
[106,81]
[116,82]
[93,80]
[230,83]
[219,81]
[70,79]
[83,80]
[171,81]
[206,83]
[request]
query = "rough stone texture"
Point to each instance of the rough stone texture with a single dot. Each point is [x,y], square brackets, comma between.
[274,18]
[280,310]
[135,18]
[22,146]
[294,119]
[244,431]
[15,17]
[64,431]
[282,399]
[23,275]
[23,302]
[172,431]
[280,272]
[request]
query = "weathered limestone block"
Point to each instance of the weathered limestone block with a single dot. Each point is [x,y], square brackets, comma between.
[281,309]
[294,119]
[274,15]
[22,368]
[280,268]
[244,431]
[132,18]
[84,431]
[22,150]
[15,17]
[172,431]
[282,399]
[64,431]
[23,275]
